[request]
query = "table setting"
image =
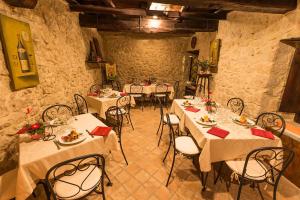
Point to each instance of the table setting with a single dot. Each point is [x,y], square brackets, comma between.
[220,133]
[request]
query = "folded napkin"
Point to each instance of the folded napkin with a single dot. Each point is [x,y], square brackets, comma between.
[262,133]
[101,131]
[93,94]
[218,132]
[122,94]
[192,109]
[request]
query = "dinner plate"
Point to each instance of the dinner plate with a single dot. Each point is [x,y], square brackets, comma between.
[188,97]
[199,121]
[80,139]
[249,122]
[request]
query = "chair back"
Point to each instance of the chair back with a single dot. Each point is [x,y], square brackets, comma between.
[273,161]
[124,102]
[59,111]
[176,88]
[114,118]
[95,88]
[136,88]
[172,132]
[236,105]
[161,88]
[271,122]
[81,104]
[116,85]
[87,166]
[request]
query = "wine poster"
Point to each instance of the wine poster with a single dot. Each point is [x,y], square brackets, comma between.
[19,53]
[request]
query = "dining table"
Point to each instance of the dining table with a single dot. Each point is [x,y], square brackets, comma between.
[37,157]
[236,145]
[101,103]
[149,89]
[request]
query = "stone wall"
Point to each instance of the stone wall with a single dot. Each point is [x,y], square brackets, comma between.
[140,56]
[253,63]
[60,49]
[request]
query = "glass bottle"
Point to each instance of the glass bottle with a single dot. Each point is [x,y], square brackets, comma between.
[23,56]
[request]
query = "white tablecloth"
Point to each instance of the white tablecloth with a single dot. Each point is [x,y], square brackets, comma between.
[37,157]
[101,104]
[149,89]
[237,144]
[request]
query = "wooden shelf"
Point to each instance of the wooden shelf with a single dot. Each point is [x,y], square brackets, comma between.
[27,74]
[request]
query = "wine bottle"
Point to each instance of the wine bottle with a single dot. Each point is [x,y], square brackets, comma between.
[23,56]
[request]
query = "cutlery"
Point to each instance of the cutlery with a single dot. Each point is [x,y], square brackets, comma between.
[89,133]
[55,142]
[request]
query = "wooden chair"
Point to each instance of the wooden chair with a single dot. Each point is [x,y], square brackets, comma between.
[236,105]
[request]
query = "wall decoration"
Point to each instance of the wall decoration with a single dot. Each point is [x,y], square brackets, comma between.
[19,53]
[214,53]
[111,71]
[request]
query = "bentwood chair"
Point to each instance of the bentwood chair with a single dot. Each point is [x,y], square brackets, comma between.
[116,85]
[161,93]
[263,165]
[76,178]
[271,122]
[82,106]
[57,111]
[136,92]
[96,88]
[116,121]
[236,105]
[183,145]
[176,89]
[174,120]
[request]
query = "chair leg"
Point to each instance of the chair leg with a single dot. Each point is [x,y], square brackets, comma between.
[173,162]
[219,173]
[167,151]
[109,181]
[159,126]
[130,121]
[162,129]
[123,151]
[258,188]
[47,192]
[240,189]
[204,176]
[275,190]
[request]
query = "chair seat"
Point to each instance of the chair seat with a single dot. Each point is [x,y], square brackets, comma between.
[122,111]
[160,95]
[186,145]
[88,179]
[255,169]
[173,119]
[136,95]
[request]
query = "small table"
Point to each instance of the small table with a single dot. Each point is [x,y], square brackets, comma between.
[149,89]
[101,104]
[37,157]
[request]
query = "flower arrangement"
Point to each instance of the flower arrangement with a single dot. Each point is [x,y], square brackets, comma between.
[36,130]
[210,105]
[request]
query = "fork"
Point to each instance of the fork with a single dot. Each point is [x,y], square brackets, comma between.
[56,143]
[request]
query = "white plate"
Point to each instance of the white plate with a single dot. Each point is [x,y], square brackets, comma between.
[249,122]
[81,138]
[188,97]
[199,121]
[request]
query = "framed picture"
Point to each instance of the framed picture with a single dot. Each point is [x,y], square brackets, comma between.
[214,53]
[18,52]
[111,71]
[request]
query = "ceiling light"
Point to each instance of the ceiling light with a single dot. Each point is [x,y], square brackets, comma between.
[165,7]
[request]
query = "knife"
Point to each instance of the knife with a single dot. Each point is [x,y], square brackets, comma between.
[89,133]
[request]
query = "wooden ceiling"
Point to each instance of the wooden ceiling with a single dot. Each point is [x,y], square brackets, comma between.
[197,15]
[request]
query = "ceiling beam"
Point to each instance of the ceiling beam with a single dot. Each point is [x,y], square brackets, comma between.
[107,10]
[136,25]
[268,6]
[22,3]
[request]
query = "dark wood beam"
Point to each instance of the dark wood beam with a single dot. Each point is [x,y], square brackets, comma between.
[109,3]
[188,15]
[135,24]
[107,10]
[268,6]
[22,3]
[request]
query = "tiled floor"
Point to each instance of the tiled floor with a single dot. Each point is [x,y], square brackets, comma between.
[145,176]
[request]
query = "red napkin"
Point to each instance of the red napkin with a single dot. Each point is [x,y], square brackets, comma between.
[101,131]
[92,94]
[262,133]
[218,132]
[122,94]
[192,109]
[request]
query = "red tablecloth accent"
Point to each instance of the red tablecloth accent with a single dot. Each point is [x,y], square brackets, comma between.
[218,132]
[192,109]
[101,131]
[262,133]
